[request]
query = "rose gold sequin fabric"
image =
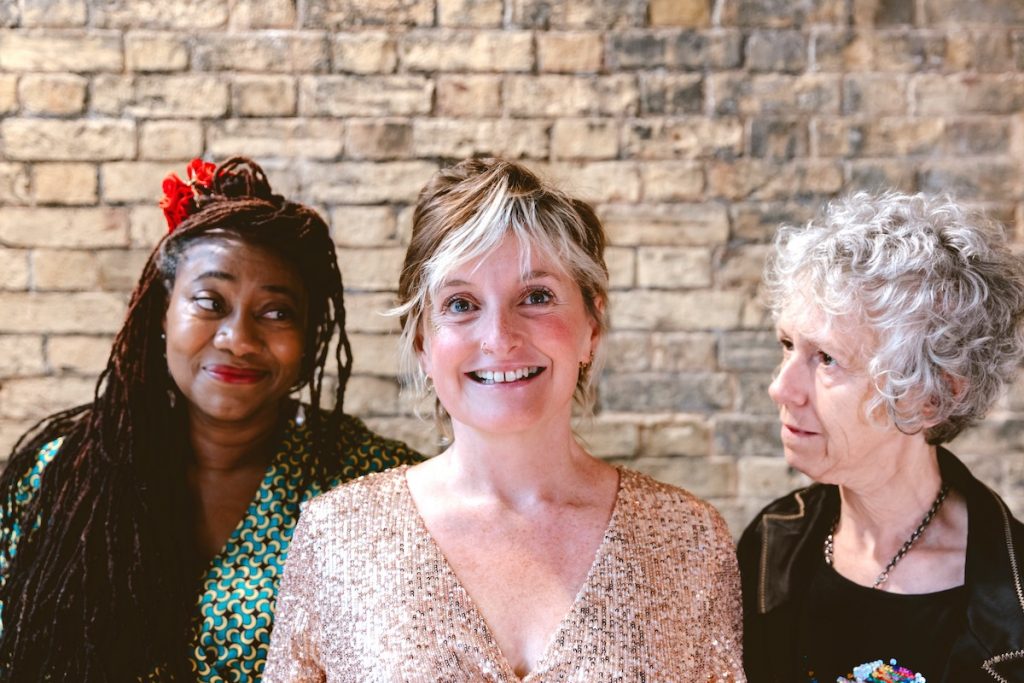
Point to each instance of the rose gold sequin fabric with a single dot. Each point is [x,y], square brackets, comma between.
[368,597]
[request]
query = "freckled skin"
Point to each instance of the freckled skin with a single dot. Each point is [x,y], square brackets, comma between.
[489,319]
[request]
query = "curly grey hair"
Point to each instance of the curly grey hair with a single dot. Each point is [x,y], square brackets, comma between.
[938,285]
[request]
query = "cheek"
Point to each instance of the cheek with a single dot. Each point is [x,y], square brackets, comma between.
[289,350]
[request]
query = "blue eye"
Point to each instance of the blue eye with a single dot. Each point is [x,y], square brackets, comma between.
[458,304]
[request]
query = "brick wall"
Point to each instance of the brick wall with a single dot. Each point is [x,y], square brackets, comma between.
[696,127]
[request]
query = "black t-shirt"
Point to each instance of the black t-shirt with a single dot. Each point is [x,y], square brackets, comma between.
[844,626]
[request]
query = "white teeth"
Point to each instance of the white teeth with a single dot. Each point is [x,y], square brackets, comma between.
[499,377]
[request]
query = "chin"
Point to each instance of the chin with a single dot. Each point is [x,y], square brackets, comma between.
[803,463]
[500,424]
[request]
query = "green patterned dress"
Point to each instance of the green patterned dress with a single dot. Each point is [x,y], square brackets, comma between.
[235,610]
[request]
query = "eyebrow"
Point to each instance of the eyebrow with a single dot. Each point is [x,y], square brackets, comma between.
[221,275]
[532,275]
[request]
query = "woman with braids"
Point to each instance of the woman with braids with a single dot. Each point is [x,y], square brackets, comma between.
[143,534]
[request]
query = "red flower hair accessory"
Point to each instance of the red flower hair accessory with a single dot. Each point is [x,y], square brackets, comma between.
[179,197]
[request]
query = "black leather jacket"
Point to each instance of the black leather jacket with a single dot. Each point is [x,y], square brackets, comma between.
[781,548]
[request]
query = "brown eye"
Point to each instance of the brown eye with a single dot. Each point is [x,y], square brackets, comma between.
[539,296]
[208,303]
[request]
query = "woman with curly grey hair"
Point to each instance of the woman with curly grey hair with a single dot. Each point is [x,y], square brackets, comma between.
[901,319]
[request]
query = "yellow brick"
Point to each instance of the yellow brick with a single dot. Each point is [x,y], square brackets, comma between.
[448,50]
[54,13]
[8,93]
[696,13]
[364,226]
[52,94]
[247,14]
[77,52]
[155,51]
[21,355]
[569,52]
[133,181]
[29,399]
[263,96]
[371,269]
[41,313]
[469,95]
[310,138]
[78,354]
[584,139]
[70,183]
[480,13]
[174,140]
[77,227]
[66,270]
[44,140]
[364,52]
[14,269]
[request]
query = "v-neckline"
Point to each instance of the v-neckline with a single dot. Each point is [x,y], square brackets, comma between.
[222,555]
[473,609]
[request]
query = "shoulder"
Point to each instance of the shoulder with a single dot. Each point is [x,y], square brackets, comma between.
[674,509]
[375,452]
[364,499]
[792,507]
[32,477]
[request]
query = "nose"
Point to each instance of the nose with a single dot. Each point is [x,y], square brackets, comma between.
[500,333]
[238,334]
[789,386]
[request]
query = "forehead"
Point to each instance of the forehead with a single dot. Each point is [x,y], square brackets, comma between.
[234,259]
[512,255]
[843,333]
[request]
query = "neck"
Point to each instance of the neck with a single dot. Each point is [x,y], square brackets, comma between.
[892,502]
[230,446]
[521,468]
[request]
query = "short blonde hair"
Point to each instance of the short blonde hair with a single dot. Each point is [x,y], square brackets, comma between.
[465,212]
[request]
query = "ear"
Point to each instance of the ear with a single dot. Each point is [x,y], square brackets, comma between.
[421,346]
[955,385]
[595,328]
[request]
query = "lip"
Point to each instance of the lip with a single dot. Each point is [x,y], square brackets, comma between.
[793,431]
[475,375]
[233,374]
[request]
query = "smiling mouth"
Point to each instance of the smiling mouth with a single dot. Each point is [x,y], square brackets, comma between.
[499,377]
[235,375]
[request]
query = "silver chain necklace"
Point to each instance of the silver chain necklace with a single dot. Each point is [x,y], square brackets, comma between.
[904,549]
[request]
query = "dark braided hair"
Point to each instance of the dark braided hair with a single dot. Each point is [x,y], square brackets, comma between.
[106,574]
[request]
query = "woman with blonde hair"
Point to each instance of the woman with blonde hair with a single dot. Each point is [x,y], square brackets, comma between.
[514,554]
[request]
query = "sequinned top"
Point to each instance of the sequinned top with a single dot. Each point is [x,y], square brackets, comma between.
[368,597]
[235,610]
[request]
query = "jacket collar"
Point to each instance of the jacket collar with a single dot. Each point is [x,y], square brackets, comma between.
[794,532]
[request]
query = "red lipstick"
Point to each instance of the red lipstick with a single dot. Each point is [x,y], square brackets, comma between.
[236,375]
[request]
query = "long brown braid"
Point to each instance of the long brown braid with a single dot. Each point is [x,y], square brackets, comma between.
[105,577]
